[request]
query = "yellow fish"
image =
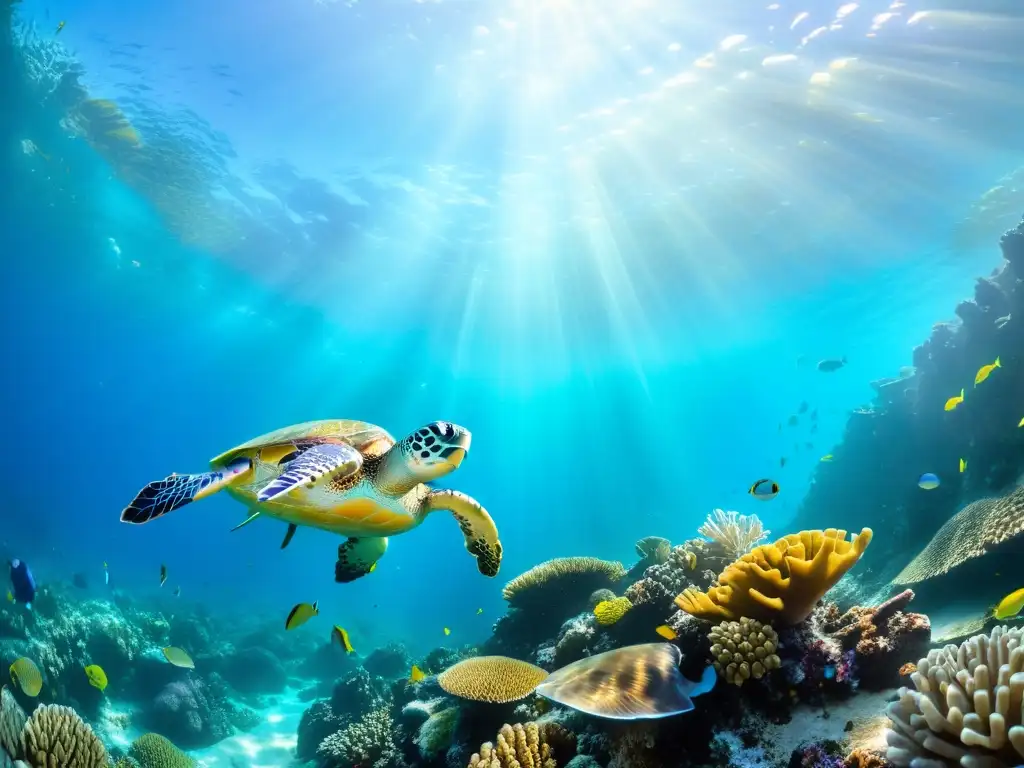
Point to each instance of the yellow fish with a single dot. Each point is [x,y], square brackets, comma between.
[479,611]
[97,677]
[953,402]
[1020,423]
[26,674]
[666,631]
[10,596]
[340,636]
[1009,605]
[447,631]
[301,613]
[827,457]
[691,560]
[60,27]
[963,465]
[416,674]
[178,657]
[985,371]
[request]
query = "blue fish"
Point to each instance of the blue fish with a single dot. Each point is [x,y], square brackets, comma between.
[830,671]
[23,584]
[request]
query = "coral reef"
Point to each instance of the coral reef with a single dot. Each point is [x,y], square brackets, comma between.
[56,736]
[967,706]
[516,745]
[189,712]
[389,662]
[368,741]
[744,649]
[779,582]
[151,750]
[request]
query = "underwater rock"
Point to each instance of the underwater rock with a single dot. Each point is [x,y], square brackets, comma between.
[327,662]
[253,670]
[358,692]
[391,661]
[189,713]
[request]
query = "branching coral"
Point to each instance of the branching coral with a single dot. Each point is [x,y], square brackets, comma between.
[779,582]
[517,746]
[744,649]
[737,534]
[967,707]
[12,723]
[151,750]
[493,679]
[369,742]
[579,574]
[56,737]
[970,533]
[609,612]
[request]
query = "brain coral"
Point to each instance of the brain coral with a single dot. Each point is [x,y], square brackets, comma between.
[151,750]
[970,533]
[579,574]
[966,710]
[779,582]
[494,679]
[609,612]
[56,736]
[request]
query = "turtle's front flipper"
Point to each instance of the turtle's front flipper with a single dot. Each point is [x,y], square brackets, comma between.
[358,557]
[477,526]
[174,491]
[292,527]
[310,465]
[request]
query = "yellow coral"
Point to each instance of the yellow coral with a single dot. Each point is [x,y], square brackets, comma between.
[518,746]
[151,750]
[579,573]
[970,533]
[744,649]
[494,679]
[610,611]
[56,737]
[779,582]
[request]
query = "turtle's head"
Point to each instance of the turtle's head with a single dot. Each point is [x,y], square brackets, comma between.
[435,450]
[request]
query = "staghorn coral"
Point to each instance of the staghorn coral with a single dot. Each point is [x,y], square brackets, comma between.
[56,737]
[368,742]
[970,533]
[737,534]
[518,746]
[151,750]
[12,722]
[967,707]
[744,649]
[609,612]
[493,679]
[578,574]
[779,582]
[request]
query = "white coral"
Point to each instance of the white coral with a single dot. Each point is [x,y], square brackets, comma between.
[737,534]
[967,709]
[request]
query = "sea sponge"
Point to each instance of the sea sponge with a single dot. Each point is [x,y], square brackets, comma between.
[610,611]
[518,746]
[493,679]
[744,649]
[56,737]
[579,574]
[737,534]
[151,750]
[12,723]
[967,707]
[970,533]
[779,582]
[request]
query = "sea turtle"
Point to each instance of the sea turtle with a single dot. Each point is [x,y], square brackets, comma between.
[347,477]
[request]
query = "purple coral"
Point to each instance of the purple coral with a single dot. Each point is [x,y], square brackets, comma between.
[816,756]
[188,714]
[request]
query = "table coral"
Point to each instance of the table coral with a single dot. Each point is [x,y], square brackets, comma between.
[967,707]
[779,582]
[493,679]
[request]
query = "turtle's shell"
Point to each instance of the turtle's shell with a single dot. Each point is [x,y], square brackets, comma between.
[369,439]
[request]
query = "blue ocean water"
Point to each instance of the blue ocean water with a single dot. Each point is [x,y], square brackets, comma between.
[600,236]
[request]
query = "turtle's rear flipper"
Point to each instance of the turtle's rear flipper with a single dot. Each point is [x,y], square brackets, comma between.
[311,465]
[358,557]
[174,491]
[477,526]
[292,527]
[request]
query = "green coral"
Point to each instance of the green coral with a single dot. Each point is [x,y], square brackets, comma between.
[437,734]
[151,750]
